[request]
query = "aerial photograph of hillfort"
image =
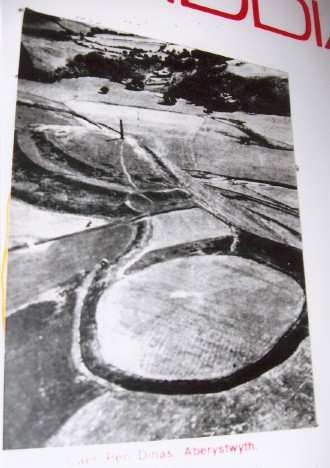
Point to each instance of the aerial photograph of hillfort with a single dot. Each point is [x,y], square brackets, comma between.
[155,271]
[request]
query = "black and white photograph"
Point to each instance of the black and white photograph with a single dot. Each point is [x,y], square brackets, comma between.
[156,284]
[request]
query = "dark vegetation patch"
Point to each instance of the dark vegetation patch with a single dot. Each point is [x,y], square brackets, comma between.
[218,90]
[94,64]
[94,30]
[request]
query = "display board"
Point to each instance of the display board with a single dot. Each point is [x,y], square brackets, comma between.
[163,230]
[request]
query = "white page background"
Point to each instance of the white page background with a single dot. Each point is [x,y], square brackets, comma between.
[309,71]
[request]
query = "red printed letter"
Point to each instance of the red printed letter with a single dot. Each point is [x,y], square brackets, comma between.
[318,33]
[300,37]
[233,16]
